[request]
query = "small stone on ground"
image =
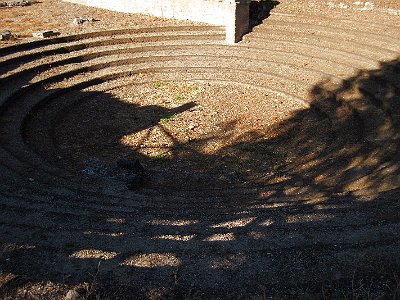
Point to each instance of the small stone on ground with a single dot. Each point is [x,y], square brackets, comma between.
[5,36]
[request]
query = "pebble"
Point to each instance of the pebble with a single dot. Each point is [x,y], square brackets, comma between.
[4,36]
[81,20]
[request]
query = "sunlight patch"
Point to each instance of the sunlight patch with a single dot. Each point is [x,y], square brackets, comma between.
[304,218]
[234,223]
[93,253]
[152,260]
[221,237]
[174,237]
[99,233]
[173,222]
[267,222]
[5,278]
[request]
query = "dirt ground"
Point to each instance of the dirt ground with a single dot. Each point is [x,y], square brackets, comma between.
[58,15]
[246,193]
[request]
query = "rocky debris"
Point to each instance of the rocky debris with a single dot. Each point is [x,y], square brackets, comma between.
[5,36]
[82,20]
[44,34]
[130,172]
[17,3]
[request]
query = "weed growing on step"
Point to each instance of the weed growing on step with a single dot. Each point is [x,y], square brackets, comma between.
[159,84]
[167,119]
[178,99]
[162,156]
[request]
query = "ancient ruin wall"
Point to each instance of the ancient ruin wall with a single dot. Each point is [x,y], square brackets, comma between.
[234,15]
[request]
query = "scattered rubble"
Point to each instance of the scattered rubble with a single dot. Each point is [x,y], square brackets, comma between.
[5,36]
[82,20]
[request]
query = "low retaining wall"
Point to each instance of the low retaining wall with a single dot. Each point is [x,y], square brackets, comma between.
[233,14]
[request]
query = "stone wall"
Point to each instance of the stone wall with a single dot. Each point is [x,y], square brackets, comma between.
[234,14]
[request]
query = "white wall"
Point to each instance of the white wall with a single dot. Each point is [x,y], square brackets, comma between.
[216,12]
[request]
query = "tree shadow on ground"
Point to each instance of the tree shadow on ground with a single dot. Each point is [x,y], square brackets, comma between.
[307,205]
